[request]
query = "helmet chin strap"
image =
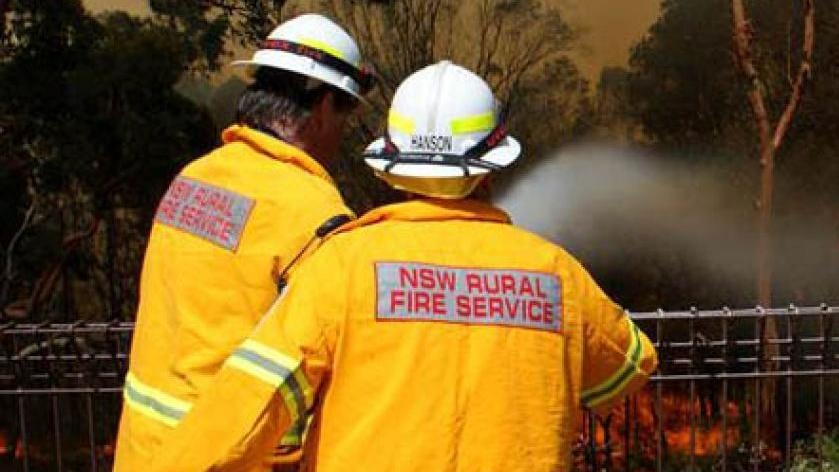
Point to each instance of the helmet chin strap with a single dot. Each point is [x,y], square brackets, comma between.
[472,157]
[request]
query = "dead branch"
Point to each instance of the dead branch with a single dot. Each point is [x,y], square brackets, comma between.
[48,281]
[742,49]
[9,270]
[803,76]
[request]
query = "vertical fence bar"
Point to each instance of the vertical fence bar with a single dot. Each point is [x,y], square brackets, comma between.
[24,438]
[755,453]
[636,434]
[659,412]
[792,353]
[21,404]
[591,449]
[626,422]
[607,442]
[726,355]
[56,418]
[53,383]
[91,433]
[693,370]
[825,362]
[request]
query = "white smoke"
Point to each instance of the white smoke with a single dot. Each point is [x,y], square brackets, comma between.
[606,200]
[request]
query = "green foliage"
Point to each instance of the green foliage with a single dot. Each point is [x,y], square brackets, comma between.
[821,454]
[92,131]
[207,27]
[683,87]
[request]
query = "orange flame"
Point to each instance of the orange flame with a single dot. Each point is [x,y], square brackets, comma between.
[686,426]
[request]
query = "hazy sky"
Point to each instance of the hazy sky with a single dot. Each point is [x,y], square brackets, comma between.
[129,5]
[610,27]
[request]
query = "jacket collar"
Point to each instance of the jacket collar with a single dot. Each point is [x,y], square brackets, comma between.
[430,210]
[275,149]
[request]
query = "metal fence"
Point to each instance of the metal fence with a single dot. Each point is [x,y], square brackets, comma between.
[728,396]
[60,394]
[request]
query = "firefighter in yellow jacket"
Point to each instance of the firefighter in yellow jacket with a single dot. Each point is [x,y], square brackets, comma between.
[233,223]
[430,335]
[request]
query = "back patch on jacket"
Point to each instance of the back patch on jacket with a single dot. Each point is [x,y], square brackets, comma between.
[212,213]
[410,291]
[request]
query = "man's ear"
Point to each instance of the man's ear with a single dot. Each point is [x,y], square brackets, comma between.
[320,109]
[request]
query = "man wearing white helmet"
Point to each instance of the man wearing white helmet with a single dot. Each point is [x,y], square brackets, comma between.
[232,225]
[430,335]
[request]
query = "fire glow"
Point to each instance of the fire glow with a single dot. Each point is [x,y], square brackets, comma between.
[686,427]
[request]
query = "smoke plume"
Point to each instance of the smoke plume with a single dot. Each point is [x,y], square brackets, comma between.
[688,227]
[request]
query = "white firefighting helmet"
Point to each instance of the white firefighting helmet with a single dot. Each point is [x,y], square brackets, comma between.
[444,134]
[316,47]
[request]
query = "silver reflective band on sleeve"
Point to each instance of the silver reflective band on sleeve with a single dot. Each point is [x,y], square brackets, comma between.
[154,403]
[616,383]
[278,370]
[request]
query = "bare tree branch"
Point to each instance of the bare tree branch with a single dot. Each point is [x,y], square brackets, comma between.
[48,281]
[803,76]
[9,270]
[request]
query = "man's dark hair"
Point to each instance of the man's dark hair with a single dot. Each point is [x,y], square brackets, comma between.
[279,95]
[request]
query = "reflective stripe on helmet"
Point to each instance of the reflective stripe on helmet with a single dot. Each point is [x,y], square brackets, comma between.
[153,403]
[360,75]
[472,156]
[474,123]
[401,122]
[318,44]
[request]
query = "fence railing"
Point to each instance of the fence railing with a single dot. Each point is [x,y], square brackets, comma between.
[60,394]
[752,389]
[736,390]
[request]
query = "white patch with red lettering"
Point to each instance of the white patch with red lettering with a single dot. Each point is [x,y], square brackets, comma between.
[209,212]
[409,291]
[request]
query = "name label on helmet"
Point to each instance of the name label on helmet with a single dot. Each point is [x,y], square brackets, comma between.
[209,212]
[431,143]
[410,291]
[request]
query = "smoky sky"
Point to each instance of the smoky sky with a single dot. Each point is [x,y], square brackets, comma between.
[608,28]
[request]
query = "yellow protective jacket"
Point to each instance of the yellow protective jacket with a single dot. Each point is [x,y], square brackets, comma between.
[430,336]
[229,223]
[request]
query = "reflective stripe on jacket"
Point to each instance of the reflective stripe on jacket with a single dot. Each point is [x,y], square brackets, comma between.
[227,225]
[437,337]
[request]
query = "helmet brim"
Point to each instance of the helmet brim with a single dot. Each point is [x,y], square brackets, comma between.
[502,155]
[297,64]
[451,188]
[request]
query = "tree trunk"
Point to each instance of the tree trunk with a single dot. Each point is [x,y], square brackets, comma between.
[770,139]
[764,236]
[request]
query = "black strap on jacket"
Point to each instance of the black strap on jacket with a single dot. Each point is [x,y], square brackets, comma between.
[361,75]
[472,157]
[322,231]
